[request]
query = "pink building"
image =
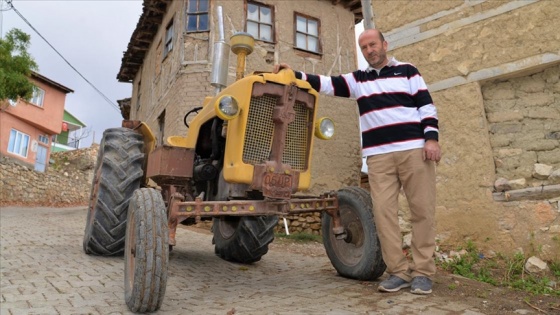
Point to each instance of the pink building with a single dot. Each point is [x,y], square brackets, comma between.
[27,126]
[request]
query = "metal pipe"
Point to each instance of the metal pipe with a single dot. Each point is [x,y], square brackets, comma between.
[220,60]
[367,12]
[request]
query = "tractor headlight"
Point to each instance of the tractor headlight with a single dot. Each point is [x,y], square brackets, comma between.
[324,128]
[227,107]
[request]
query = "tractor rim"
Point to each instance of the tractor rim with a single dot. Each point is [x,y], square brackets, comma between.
[350,250]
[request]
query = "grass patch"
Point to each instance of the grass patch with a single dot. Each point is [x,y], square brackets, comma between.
[301,237]
[504,271]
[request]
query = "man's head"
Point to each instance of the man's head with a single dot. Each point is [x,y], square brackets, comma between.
[374,48]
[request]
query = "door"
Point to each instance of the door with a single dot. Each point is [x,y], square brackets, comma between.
[41,159]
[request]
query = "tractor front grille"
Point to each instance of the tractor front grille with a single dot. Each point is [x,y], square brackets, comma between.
[260,132]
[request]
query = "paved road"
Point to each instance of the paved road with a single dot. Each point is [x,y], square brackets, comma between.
[45,271]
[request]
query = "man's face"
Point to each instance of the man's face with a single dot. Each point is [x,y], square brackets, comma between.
[373,49]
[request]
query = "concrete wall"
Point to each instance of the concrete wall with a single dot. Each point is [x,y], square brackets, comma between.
[492,68]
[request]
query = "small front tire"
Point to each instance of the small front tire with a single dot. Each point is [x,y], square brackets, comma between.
[359,255]
[146,251]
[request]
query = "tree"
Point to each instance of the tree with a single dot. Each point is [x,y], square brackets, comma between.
[16,65]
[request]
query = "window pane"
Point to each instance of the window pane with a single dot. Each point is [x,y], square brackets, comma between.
[252,12]
[169,34]
[266,15]
[192,7]
[312,28]
[203,6]
[301,24]
[24,145]
[11,142]
[17,144]
[203,22]
[300,41]
[253,29]
[312,43]
[191,23]
[266,32]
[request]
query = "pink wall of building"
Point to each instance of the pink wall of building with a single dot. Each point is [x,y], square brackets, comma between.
[40,123]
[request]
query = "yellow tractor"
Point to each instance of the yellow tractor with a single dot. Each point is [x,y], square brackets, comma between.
[245,157]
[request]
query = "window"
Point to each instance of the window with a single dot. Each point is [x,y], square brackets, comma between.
[197,16]
[259,21]
[307,33]
[38,97]
[138,95]
[44,139]
[161,126]
[18,143]
[168,39]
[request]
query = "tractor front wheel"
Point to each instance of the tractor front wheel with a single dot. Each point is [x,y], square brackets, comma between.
[358,256]
[146,253]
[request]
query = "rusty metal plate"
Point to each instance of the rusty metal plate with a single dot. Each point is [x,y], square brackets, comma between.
[169,165]
[277,185]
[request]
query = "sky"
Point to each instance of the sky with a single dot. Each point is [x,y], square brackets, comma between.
[92,36]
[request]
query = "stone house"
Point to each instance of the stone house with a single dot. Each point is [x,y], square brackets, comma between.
[493,68]
[27,126]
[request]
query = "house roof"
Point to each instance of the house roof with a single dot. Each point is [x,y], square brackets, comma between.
[71,119]
[50,82]
[150,20]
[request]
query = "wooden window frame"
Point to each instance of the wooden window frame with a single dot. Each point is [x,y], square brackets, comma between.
[318,37]
[197,13]
[169,37]
[259,23]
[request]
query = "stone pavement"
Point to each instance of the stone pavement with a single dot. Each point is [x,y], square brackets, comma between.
[44,270]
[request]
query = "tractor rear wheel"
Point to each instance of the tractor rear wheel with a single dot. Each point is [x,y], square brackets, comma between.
[146,254]
[118,173]
[243,239]
[358,256]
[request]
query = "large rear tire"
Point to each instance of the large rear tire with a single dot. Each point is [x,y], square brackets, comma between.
[243,239]
[118,173]
[147,252]
[359,255]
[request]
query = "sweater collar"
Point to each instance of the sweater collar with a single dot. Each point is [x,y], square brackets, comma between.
[392,62]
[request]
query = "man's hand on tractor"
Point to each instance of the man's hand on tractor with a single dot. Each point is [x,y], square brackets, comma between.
[280,66]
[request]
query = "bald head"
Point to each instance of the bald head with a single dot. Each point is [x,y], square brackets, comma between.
[372,32]
[374,48]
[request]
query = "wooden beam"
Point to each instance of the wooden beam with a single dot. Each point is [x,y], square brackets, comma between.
[542,192]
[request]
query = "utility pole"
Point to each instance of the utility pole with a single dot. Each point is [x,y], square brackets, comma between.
[367,12]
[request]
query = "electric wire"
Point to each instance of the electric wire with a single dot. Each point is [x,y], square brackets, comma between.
[11,6]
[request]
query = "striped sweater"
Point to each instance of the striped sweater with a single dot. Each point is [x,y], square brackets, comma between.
[396,109]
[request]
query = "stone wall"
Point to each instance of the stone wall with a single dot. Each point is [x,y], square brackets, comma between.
[66,182]
[524,122]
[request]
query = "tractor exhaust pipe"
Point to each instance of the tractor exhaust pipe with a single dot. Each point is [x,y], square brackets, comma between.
[220,59]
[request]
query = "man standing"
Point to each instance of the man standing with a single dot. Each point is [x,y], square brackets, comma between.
[399,127]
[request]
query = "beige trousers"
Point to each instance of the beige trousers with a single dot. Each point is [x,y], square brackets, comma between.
[387,174]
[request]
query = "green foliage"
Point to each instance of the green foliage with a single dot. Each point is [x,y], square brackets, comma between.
[301,237]
[15,66]
[504,271]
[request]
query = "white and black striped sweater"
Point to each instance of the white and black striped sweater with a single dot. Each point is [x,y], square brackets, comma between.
[396,109]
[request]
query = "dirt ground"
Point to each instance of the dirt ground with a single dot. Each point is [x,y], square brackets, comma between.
[491,299]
